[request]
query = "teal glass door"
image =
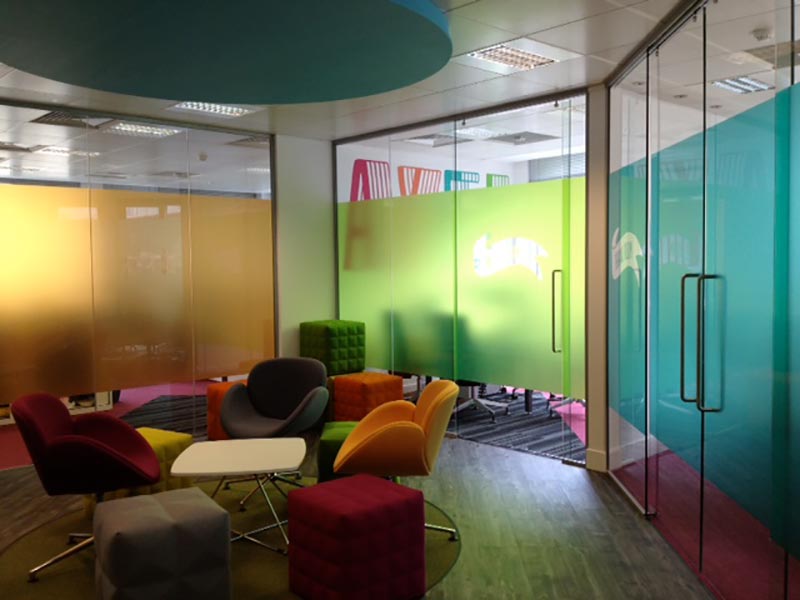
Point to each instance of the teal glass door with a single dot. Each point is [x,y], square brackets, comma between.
[736,295]
[676,265]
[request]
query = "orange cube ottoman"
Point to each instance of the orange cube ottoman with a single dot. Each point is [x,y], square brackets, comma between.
[356,394]
[214,394]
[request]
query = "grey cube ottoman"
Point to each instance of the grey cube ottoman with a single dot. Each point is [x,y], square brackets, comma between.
[175,544]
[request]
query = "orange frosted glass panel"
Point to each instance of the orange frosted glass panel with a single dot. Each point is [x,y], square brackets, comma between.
[140,251]
[45,291]
[232,273]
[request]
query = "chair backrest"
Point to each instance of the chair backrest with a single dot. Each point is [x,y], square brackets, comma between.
[434,407]
[277,386]
[41,419]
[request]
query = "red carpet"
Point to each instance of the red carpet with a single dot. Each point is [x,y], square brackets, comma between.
[740,561]
[12,449]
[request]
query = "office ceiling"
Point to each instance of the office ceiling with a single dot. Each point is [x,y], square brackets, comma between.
[590,36]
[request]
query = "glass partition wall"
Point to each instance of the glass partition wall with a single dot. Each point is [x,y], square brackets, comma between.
[701,401]
[462,248]
[138,263]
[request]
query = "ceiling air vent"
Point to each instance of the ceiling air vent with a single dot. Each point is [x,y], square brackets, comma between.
[11,147]
[174,174]
[254,141]
[437,140]
[522,138]
[65,119]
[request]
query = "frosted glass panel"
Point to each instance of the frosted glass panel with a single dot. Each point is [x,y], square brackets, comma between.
[365,274]
[142,290]
[232,280]
[423,283]
[46,299]
[510,277]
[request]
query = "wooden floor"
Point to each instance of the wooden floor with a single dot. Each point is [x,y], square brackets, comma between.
[531,527]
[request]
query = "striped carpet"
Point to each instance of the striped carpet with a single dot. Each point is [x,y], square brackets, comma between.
[186,414]
[536,433]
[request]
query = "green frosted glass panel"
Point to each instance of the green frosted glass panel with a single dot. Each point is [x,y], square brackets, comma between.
[577,290]
[365,275]
[509,243]
[423,283]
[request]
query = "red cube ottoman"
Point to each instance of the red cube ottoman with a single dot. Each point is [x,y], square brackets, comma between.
[214,395]
[356,394]
[357,538]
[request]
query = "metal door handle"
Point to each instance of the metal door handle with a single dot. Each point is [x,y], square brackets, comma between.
[553,309]
[701,342]
[683,335]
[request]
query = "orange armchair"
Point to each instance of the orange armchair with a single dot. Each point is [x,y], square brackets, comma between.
[399,438]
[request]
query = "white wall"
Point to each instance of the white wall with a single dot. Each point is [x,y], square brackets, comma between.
[305,236]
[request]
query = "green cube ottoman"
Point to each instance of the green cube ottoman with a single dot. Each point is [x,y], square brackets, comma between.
[333,435]
[337,344]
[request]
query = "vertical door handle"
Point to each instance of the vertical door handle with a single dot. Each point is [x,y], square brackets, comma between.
[553,310]
[683,335]
[701,342]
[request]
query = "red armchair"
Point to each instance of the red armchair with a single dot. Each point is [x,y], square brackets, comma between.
[90,454]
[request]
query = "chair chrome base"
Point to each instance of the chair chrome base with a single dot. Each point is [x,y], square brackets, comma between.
[86,543]
[453,532]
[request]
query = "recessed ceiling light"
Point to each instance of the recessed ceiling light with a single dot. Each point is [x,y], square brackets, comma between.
[225,111]
[260,170]
[64,151]
[742,85]
[140,130]
[514,58]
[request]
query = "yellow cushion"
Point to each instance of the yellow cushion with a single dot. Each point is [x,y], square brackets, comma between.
[167,446]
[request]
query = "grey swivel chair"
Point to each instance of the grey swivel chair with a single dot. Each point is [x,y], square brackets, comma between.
[283,397]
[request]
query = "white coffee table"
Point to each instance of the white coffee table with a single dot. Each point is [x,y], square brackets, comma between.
[263,459]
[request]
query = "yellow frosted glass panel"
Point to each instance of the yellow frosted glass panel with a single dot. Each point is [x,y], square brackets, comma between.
[46,297]
[142,288]
[232,280]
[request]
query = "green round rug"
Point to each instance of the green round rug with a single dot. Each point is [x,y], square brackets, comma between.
[257,572]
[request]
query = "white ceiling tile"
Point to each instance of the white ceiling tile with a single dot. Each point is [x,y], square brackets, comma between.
[653,9]
[615,55]
[454,75]
[528,16]
[595,34]
[505,89]
[568,74]
[469,35]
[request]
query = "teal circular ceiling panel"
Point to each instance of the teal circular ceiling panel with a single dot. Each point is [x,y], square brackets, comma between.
[240,51]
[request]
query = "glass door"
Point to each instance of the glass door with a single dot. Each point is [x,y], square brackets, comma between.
[677,220]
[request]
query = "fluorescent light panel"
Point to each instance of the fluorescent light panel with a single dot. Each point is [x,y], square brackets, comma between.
[140,130]
[225,111]
[515,58]
[64,151]
[742,85]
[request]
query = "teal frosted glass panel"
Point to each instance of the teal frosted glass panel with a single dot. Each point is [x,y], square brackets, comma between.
[423,283]
[739,306]
[626,326]
[510,277]
[677,216]
[365,274]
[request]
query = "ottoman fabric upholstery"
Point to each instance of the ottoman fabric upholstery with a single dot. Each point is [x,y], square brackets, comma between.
[167,446]
[355,395]
[357,538]
[333,436]
[174,544]
[337,344]
[215,393]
